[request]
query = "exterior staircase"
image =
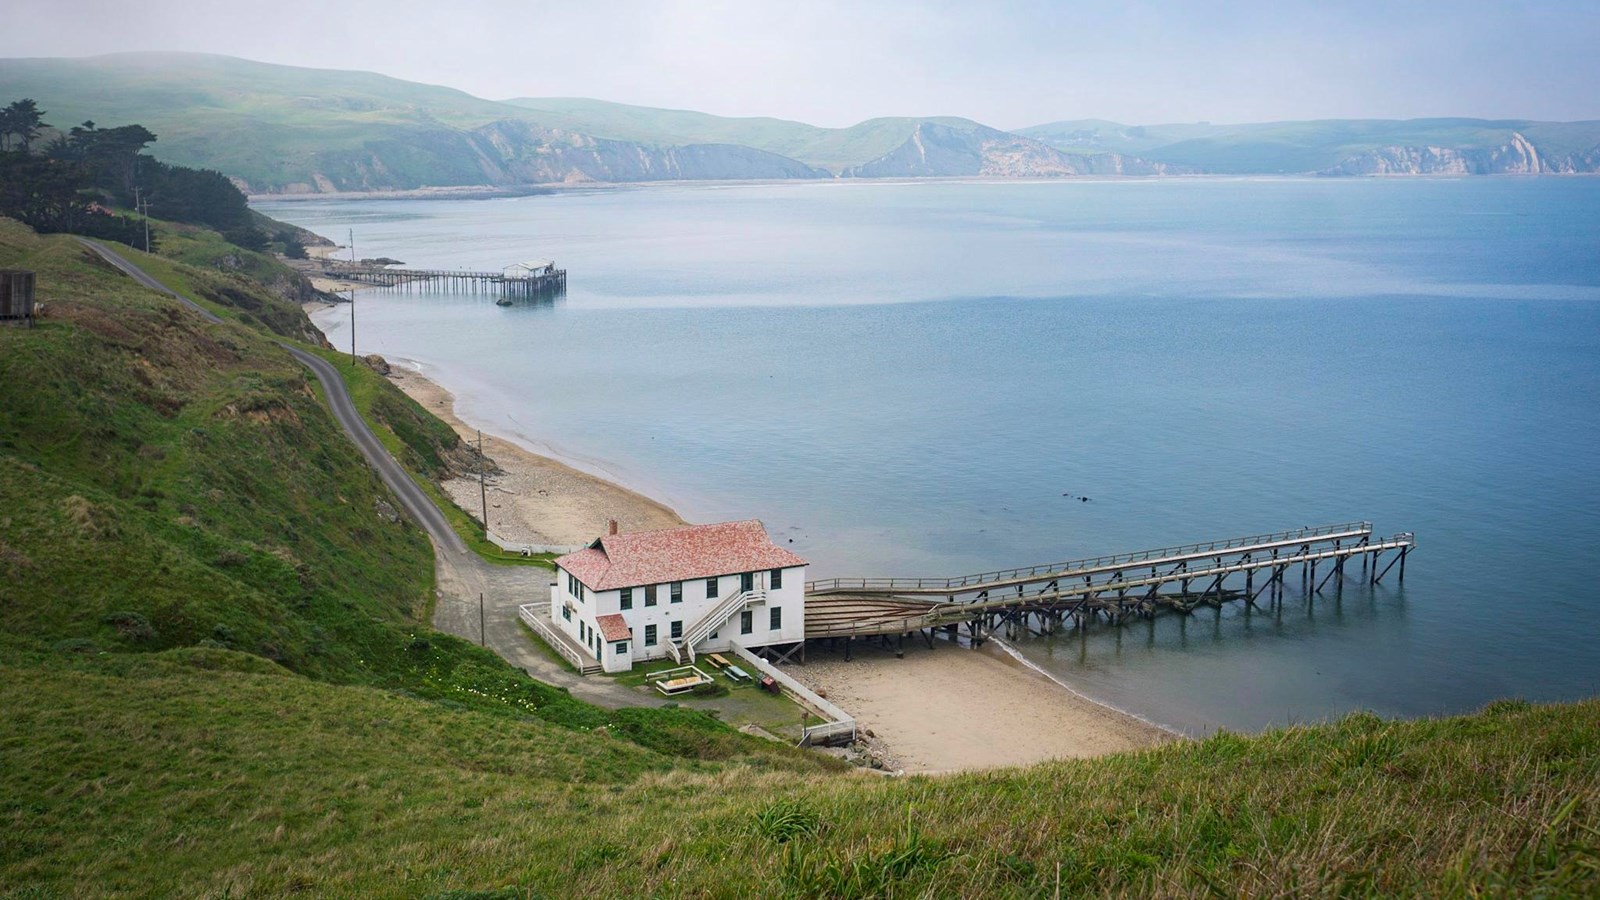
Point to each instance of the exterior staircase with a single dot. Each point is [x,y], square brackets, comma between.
[738,601]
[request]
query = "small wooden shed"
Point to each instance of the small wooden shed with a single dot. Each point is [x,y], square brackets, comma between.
[16,295]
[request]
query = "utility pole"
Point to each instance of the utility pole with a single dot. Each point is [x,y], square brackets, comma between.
[141,205]
[482,634]
[352,299]
[483,492]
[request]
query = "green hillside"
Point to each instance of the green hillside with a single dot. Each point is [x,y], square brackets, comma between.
[172,484]
[267,124]
[829,148]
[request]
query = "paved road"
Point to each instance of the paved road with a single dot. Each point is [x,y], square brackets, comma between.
[138,274]
[461,576]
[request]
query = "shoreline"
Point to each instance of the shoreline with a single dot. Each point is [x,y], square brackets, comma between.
[948,709]
[532,498]
[497,192]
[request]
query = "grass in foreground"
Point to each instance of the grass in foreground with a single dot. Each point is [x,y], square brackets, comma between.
[177,774]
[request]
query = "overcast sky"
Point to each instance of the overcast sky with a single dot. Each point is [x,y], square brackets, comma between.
[1008,64]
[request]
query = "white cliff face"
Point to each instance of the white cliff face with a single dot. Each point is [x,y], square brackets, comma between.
[1517,156]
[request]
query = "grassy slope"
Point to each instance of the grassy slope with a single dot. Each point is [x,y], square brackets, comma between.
[150,777]
[167,483]
[430,449]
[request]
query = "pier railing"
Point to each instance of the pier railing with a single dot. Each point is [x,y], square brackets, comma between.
[1316,533]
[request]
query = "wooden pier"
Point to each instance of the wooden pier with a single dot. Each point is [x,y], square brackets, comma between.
[1045,599]
[522,281]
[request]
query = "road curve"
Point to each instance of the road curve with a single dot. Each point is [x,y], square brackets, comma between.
[417,505]
[137,274]
[476,599]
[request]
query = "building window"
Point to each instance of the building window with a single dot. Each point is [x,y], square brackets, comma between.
[776,615]
[583,632]
[747,622]
[677,630]
[677,592]
[649,595]
[566,613]
[620,647]
[747,581]
[627,598]
[711,589]
[775,579]
[575,587]
[649,635]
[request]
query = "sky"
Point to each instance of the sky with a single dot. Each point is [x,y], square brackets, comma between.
[1009,63]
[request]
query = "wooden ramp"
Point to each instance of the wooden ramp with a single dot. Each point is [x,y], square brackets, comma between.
[1114,587]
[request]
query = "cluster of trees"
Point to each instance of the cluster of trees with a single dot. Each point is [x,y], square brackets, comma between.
[70,182]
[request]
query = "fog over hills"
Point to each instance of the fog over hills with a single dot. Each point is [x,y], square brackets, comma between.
[284,129]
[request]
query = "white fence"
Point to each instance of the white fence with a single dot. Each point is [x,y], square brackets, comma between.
[530,549]
[529,613]
[839,727]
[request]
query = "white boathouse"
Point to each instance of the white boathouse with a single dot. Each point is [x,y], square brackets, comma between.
[677,592]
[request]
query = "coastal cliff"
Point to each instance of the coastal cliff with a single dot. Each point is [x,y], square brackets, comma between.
[939,150]
[1518,156]
[514,152]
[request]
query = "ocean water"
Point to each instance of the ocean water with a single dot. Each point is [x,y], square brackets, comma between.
[917,378]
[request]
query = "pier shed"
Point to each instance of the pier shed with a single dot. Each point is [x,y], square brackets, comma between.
[16,296]
[533,268]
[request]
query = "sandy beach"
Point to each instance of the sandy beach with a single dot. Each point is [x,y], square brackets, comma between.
[534,499]
[950,709]
[944,709]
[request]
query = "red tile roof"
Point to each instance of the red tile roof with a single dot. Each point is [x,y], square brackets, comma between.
[614,627]
[676,554]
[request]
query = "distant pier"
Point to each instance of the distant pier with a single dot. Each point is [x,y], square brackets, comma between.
[535,280]
[1045,599]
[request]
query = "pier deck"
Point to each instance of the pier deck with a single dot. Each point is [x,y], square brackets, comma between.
[544,282]
[1113,587]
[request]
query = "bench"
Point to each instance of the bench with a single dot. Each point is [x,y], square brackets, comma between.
[736,673]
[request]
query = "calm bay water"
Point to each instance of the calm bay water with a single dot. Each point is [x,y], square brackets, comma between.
[906,379]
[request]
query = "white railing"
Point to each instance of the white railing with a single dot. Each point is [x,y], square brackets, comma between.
[528,613]
[838,724]
[1310,534]
[712,620]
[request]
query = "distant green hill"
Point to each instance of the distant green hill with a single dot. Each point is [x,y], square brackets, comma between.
[288,129]
[1323,146]
[282,129]
[829,148]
